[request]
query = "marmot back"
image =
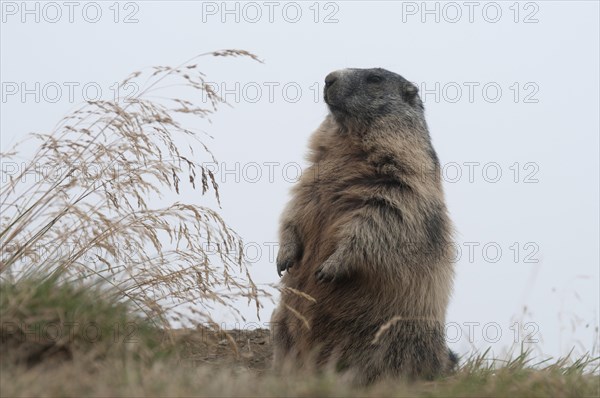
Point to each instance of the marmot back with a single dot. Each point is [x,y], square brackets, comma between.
[367,236]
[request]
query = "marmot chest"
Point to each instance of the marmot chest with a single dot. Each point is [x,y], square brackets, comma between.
[332,189]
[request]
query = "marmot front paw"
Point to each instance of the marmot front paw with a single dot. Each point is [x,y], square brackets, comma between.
[330,270]
[288,255]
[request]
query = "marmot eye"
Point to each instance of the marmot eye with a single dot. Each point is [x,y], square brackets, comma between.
[374,79]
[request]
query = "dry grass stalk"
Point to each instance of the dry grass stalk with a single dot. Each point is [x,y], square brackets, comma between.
[84,204]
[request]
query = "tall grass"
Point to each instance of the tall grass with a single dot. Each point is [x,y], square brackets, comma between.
[86,204]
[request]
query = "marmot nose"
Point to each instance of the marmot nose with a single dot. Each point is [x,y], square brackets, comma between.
[331,78]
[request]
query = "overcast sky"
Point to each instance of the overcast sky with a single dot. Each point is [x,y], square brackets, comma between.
[512,100]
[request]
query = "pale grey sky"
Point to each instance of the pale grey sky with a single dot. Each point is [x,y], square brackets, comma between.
[512,100]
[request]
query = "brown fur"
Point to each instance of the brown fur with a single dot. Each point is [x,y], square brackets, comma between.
[367,235]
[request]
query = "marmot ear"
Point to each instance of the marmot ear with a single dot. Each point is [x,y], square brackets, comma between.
[410,93]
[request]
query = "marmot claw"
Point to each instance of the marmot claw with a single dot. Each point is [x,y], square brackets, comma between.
[283,266]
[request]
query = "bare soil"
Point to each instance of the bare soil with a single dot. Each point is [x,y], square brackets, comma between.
[238,348]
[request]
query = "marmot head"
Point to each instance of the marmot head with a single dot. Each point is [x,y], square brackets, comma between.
[357,98]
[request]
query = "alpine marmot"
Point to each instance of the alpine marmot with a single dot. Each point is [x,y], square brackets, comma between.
[365,240]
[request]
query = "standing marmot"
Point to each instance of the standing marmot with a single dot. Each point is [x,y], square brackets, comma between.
[367,236]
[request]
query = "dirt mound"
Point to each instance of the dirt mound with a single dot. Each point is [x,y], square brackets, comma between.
[247,348]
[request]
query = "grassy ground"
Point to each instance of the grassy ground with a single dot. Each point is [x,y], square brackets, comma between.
[63,340]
